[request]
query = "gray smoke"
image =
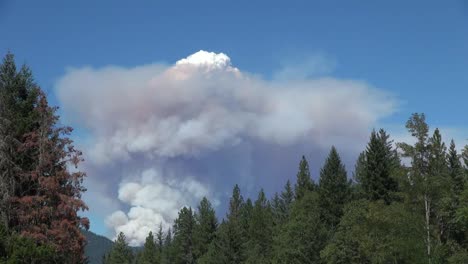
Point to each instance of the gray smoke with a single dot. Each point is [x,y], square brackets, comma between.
[160,137]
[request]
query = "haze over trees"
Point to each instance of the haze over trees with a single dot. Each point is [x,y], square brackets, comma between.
[385,211]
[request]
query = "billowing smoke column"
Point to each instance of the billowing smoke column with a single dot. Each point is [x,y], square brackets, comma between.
[161,137]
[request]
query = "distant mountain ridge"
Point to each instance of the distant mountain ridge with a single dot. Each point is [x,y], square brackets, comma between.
[96,247]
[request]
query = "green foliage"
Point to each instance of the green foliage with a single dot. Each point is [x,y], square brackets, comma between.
[304,182]
[149,253]
[183,237]
[379,162]
[205,227]
[120,253]
[373,232]
[16,249]
[302,238]
[334,189]
[259,245]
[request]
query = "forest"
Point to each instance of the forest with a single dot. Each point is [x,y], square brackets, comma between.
[401,203]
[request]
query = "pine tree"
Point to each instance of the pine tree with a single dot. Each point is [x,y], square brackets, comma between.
[450,232]
[168,256]
[455,170]
[120,253]
[205,227]
[333,189]
[48,212]
[18,96]
[303,236]
[149,253]
[380,162]
[357,190]
[183,237]
[304,182]
[287,196]
[160,243]
[229,244]
[259,245]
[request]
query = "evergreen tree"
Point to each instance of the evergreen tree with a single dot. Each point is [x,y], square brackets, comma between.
[160,243]
[120,253]
[183,237]
[168,251]
[333,189]
[455,170]
[149,253]
[48,211]
[303,236]
[229,245]
[304,182]
[18,96]
[357,190]
[380,162]
[259,246]
[374,232]
[287,197]
[205,228]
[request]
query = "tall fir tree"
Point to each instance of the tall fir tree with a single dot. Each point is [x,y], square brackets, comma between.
[160,243]
[333,189]
[168,256]
[149,253]
[303,236]
[259,245]
[380,163]
[205,227]
[18,97]
[229,245]
[48,212]
[120,252]
[183,237]
[455,169]
[304,182]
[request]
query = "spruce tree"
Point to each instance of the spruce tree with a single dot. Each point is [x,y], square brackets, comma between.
[304,182]
[183,237]
[303,236]
[455,169]
[120,253]
[149,253]
[160,243]
[205,227]
[333,189]
[18,97]
[168,250]
[259,246]
[229,244]
[380,162]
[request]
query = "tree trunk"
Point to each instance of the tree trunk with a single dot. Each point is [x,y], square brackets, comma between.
[427,205]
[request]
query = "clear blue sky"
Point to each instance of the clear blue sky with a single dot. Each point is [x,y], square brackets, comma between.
[417,50]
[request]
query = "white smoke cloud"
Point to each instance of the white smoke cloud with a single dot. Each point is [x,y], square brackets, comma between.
[199,106]
[153,200]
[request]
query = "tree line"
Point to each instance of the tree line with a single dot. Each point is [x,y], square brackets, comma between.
[40,196]
[403,203]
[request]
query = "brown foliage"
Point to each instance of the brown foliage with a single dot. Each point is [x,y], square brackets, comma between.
[46,209]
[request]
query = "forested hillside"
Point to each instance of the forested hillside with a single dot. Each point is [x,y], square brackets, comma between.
[385,211]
